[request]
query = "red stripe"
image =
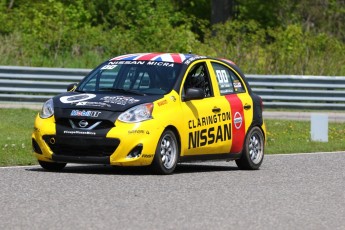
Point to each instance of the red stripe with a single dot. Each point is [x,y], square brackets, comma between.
[149,56]
[238,129]
[176,58]
[124,56]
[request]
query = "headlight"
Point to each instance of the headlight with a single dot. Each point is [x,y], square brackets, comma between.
[137,113]
[47,109]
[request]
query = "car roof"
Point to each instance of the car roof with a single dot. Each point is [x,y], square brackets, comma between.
[165,57]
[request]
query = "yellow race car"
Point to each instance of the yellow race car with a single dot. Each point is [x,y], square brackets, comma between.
[155,109]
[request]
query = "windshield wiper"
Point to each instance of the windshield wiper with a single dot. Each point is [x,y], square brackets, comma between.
[123,91]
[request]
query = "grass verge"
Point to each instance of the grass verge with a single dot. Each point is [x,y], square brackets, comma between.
[15,137]
[294,137]
[282,137]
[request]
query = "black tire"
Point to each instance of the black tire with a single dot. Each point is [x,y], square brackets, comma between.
[253,150]
[167,153]
[52,166]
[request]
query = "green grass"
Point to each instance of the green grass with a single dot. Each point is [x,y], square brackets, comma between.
[16,126]
[282,137]
[294,137]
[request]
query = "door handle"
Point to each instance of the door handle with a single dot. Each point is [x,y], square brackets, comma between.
[246,106]
[216,110]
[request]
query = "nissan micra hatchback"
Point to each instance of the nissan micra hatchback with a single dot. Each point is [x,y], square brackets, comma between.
[154,109]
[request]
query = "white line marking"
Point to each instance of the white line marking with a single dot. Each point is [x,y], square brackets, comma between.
[294,154]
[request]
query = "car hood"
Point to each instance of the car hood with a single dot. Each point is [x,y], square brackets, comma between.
[101,101]
[100,105]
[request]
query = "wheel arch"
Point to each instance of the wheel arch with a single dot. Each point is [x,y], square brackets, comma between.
[177,135]
[246,161]
[253,125]
[260,126]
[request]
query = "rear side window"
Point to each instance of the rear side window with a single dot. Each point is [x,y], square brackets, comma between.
[228,81]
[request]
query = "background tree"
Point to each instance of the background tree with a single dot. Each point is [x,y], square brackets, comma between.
[272,36]
[223,11]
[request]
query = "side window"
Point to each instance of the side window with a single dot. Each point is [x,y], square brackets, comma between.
[228,81]
[198,77]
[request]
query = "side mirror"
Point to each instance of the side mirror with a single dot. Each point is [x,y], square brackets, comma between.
[71,87]
[194,94]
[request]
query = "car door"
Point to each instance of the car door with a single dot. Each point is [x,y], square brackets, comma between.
[206,122]
[233,88]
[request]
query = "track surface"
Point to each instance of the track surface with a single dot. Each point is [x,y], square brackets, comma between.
[304,191]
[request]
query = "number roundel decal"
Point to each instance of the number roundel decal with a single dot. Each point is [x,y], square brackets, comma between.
[76,98]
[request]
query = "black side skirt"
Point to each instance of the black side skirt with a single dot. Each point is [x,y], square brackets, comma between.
[208,157]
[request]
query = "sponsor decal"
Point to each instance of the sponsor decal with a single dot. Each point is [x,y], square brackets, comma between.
[160,103]
[79,132]
[147,155]
[238,120]
[209,120]
[237,84]
[166,64]
[173,98]
[113,64]
[119,100]
[127,62]
[85,113]
[210,135]
[95,104]
[138,131]
[76,98]
[193,59]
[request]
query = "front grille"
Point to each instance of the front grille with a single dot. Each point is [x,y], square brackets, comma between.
[81,146]
[91,124]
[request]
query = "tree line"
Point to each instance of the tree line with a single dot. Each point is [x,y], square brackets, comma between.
[263,37]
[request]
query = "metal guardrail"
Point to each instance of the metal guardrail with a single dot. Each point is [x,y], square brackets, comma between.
[293,91]
[34,84]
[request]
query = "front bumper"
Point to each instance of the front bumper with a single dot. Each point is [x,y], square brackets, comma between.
[125,144]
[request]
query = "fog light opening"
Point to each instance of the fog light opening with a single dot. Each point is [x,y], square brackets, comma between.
[135,152]
[52,140]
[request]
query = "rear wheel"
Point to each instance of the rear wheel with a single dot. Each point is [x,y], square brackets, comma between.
[52,166]
[167,153]
[253,150]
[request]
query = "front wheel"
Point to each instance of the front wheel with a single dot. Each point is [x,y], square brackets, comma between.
[253,150]
[52,166]
[167,153]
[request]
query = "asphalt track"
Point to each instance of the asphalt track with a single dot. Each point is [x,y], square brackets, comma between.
[297,191]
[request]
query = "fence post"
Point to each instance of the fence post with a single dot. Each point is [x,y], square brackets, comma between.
[319,127]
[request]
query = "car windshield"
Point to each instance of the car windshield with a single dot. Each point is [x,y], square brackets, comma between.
[132,77]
